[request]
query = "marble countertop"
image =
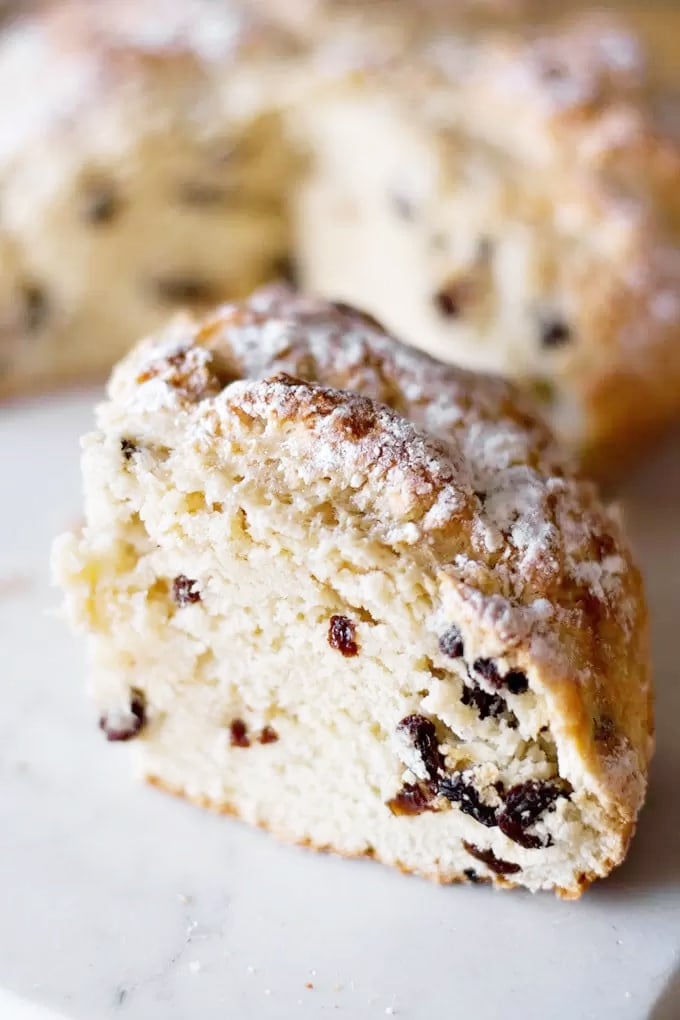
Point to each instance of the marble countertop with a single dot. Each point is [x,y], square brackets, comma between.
[120,902]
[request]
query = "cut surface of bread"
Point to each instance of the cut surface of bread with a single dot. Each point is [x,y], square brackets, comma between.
[360,598]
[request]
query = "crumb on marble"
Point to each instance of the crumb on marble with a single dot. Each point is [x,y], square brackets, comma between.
[14,584]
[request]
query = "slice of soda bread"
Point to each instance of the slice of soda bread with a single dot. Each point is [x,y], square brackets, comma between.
[359,597]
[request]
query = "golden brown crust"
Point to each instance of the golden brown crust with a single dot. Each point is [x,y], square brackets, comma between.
[526,556]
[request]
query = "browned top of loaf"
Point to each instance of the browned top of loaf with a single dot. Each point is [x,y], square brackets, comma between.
[453,464]
[71,59]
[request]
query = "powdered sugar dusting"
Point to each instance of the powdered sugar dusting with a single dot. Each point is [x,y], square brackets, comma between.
[458,444]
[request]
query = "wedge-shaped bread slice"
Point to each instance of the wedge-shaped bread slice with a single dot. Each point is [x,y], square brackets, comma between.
[357,597]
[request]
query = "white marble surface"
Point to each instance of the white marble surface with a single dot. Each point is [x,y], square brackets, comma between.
[119,902]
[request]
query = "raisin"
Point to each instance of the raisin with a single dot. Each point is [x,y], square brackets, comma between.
[125,725]
[492,862]
[268,735]
[460,790]
[183,590]
[516,682]
[451,643]
[524,804]
[447,302]
[472,876]
[412,799]
[285,268]
[487,705]
[342,636]
[101,204]
[423,736]
[127,448]
[239,733]
[487,668]
[555,333]
[184,290]
[36,307]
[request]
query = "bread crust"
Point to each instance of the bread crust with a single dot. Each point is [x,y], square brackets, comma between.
[527,558]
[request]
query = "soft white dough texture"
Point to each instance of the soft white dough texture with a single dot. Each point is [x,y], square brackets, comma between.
[273,564]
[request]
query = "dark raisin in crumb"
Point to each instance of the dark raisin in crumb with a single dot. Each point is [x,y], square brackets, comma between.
[412,799]
[285,268]
[127,448]
[342,636]
[447,302]
[488,669]
[555,333]
[451,643]
[101,204]
[524,804]
[492,862]
[423,735]
[460,790]
[239,734]
[126,725]
[184,290]
[472,876]
[487,705]
[36,307]
[184,590]
[268,735]
[516,682]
